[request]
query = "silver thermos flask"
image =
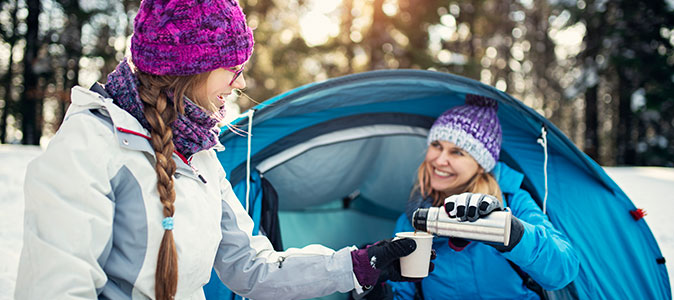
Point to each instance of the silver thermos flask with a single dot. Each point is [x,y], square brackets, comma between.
[494,227]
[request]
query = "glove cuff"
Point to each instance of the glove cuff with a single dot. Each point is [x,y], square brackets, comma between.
[458,244]
[381,291]
[516,233]
[365,272]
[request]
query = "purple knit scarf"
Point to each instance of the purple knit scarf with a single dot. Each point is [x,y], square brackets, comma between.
[192,132]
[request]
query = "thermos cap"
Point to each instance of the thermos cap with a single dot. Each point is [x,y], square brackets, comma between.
[419,219]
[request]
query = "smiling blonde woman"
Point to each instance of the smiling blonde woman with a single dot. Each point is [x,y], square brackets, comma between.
[461,172]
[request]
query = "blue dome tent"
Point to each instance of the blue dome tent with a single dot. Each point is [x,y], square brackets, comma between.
[334,162]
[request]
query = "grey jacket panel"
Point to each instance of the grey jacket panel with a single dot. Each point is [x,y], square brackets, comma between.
[129,236]
[67,214]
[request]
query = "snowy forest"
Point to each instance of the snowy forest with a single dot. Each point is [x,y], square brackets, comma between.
[601,71]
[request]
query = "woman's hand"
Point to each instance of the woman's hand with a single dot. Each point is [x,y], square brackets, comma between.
[470,207]
[380,262]
[370,262]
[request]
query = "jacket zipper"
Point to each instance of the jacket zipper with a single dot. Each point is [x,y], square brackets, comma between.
[189,163]
[196,171]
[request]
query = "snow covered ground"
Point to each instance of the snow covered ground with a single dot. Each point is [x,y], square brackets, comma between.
[649,188]
[13,162]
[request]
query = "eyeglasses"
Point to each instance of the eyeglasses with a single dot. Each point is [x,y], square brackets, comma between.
[237,73]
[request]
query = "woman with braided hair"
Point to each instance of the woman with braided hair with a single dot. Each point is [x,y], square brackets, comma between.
[129,200]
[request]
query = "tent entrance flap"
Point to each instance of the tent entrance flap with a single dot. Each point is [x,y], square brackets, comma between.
[331,167]
[337,137]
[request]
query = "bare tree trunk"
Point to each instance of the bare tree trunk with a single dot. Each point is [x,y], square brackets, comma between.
[8,96]
[505,28]
[542,54]
[71,39]
[347,22]
[377,36]
[30,103]
[625,141]
[7,80]
[411,27]
[8,103]
[593,39]
[471,17]
[591,145]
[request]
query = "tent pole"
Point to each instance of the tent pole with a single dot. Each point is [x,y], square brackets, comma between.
[250,134]
[543,141]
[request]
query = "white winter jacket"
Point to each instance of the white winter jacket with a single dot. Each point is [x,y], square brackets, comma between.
[93,221]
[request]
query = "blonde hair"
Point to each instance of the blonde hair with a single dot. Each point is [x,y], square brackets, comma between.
[160,113]
[481,182]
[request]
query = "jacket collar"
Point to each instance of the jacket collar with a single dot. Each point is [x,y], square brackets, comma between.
[85,99]
[129,132]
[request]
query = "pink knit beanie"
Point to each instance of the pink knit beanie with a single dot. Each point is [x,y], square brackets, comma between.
[188,37]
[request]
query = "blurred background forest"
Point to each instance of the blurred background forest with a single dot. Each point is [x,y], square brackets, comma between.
[602,71]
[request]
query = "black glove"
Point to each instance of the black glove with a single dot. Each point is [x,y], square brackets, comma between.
[381,291]
[470,207]
[458,243]
[380,262]
[516,233]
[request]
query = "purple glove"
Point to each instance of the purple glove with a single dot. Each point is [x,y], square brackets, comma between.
[380,258]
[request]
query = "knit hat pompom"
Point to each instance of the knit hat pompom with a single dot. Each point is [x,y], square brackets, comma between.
[473,127]
[188,37]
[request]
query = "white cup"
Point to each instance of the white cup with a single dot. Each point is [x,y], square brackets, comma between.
[416,264]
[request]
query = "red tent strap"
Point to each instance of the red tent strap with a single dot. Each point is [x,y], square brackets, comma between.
[638,213]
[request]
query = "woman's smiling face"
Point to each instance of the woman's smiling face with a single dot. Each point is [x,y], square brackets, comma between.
[450,167]
[211,94]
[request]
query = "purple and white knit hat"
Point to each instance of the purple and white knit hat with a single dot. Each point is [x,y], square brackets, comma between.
[474,127]
[188,37]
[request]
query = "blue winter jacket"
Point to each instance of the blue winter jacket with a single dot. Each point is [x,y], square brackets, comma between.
[481,272]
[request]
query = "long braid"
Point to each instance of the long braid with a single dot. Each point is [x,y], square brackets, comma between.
[160,113]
